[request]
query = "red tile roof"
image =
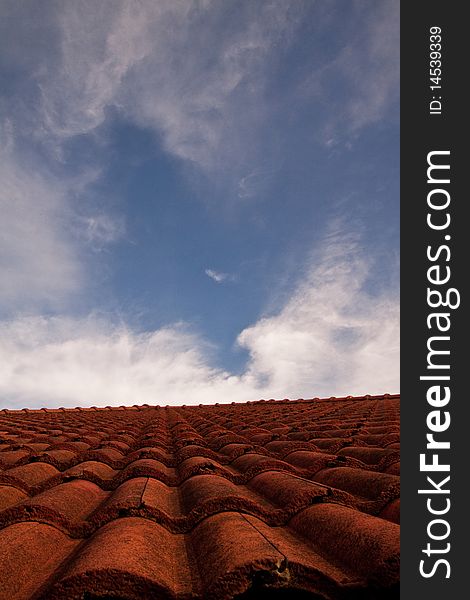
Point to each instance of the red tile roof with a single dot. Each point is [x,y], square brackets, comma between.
[201,501]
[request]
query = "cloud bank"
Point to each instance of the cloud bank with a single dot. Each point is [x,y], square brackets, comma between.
[332,337]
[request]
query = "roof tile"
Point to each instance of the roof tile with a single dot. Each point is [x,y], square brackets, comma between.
[349,536]
[130,557]
[39,551]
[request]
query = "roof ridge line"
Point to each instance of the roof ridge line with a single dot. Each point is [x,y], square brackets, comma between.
[143,407]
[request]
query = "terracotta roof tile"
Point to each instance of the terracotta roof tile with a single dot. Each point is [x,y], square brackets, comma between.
[30,476]
[348,536]
[360,482]
[30,553]
[128,557]
[201,502]
[9,496]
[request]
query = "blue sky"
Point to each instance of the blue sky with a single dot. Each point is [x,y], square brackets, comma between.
[199,200]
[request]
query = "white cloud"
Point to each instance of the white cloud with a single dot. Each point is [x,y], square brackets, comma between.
[99,230]
[331,338]
[361,83]
[98,45]
[373,69]
[195,74]
[183,68]
[38,264]
[254,182]
[217,276]
[59,361]
[44,241]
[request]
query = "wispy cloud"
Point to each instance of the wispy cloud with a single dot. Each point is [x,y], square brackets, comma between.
[361,82]
[374,67]
[46,234]
[217,276]
[39,265]
[194,76]
[331,337]
[183,68]
[254,182]
[99,230]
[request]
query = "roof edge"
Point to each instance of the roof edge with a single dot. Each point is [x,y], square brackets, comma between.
[152,406]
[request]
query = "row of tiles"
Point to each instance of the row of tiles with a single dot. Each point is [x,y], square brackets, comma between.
[355,471]
[81,505]
[117,453]
[172,431]
[174,525]
[216,405]
[327,549]
[254,415]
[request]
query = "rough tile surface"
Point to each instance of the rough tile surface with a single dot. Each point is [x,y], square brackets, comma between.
[222,501]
